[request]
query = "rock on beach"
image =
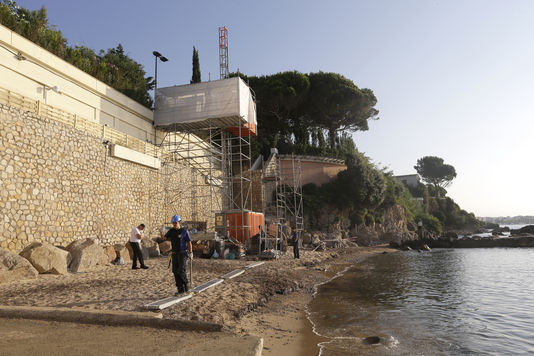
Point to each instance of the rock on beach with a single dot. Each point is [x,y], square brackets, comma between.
[14,267]
[46,258]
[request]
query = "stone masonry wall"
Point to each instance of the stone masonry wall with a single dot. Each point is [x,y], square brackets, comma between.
[58,184]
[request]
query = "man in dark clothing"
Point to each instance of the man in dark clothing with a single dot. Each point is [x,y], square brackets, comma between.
[296,245]
[181,251]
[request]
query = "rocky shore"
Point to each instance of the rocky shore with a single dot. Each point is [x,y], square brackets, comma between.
[523,237]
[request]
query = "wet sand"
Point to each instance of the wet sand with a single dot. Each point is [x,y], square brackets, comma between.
[268,301]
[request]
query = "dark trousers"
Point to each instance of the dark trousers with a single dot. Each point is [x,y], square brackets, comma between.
[179,269]
[296,250]
[137,254]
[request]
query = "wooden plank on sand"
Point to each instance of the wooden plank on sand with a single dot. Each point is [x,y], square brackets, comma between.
[233,274]
[203,287]
[256,264]
[167,302]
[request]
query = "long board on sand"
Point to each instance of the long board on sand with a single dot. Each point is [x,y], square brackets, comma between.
[233,274]
[255,264]
[207,285]
[167,302]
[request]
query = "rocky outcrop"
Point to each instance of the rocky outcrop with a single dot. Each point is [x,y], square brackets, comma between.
[14,267]
[529,229]
[46,258]
[86,254]
[393,228]
[526,240]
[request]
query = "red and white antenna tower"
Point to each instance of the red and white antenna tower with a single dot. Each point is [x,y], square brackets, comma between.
[223,52]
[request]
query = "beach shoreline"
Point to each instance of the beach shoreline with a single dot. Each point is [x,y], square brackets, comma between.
[268,301]
[284,323]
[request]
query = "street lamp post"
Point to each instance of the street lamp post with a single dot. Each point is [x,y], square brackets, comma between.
[163,59]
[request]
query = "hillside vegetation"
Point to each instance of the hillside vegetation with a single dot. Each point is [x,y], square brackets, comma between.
[315,114]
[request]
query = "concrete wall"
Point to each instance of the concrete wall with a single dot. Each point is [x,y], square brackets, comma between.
[60,184]
[79,93]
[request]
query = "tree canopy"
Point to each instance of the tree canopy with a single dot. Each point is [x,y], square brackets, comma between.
[433,171]
[296,111]
[337,104]
[113,66]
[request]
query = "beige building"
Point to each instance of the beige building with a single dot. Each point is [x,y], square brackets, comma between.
[411,180]
[316,170]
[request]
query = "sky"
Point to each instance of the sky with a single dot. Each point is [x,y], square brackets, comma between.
[453,78]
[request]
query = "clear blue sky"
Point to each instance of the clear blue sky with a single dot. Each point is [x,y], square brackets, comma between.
[453,79]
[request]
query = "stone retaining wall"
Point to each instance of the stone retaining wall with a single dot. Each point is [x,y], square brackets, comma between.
[59,184]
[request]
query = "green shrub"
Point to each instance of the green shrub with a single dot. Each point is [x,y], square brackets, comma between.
[430,222]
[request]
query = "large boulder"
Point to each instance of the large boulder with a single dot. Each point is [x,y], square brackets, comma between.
[46,258]
[86,254]
[151,246]
[144,251]
[111,254]
[14,267]
[306,238]
[165,247]
[529,229]
[122,251]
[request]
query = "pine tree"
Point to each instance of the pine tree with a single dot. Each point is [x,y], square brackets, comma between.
[196,67]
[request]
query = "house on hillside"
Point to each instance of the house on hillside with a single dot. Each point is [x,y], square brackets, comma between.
[411,180]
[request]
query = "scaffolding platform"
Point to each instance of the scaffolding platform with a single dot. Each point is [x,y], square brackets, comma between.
[225,103]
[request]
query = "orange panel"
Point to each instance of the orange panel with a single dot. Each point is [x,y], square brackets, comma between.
[244,130]
[242,226]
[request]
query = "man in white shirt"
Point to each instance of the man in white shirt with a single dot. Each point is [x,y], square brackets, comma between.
[135,241]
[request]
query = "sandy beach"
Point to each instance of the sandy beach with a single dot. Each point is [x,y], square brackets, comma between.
[268,301]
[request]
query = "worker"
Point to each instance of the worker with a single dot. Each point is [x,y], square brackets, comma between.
[135,242]
[296,253]
[182,249]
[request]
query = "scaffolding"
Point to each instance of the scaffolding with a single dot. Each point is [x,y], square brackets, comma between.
[289,205]
[283,202]
[218,157]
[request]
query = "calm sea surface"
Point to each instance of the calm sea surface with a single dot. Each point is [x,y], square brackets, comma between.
[444,302]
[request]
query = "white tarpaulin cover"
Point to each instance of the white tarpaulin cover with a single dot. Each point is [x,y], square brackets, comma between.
[218,103]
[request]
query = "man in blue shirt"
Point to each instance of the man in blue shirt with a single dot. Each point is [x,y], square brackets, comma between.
[181,250]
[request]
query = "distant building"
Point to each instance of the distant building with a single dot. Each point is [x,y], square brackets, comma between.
[411,180]
[316,170]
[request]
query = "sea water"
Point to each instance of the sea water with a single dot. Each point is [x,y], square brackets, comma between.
[443,302]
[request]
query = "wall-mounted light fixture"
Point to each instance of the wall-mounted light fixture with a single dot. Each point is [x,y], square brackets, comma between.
[45,88]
